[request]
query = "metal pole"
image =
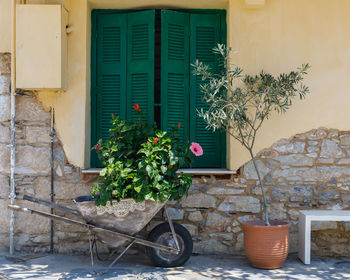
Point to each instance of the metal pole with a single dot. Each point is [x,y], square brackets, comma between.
[13,113]
[52,134]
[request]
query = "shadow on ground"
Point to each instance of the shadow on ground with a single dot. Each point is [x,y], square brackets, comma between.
[69,267]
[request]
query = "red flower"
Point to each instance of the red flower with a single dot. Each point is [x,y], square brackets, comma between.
[155,140]
[97,147]
[136,107]
[112,116]
[179,125]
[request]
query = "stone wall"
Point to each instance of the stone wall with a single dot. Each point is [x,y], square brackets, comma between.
[308,171]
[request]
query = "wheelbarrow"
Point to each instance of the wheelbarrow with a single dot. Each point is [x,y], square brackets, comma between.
[118,225]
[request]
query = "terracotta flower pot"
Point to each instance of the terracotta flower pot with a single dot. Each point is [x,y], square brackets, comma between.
[266,246]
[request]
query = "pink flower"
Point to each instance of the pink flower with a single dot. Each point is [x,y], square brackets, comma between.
[155,140]
[97,147]
[196,149]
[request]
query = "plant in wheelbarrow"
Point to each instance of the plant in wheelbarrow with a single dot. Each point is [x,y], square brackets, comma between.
[239,104]
[140,176]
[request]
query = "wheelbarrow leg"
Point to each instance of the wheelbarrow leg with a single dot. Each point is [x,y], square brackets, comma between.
[91,243]
[171,227]
[119,256]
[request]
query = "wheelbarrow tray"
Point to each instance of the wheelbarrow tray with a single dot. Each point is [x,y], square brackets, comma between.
[125,216]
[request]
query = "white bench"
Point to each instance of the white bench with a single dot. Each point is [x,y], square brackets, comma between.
[305,219]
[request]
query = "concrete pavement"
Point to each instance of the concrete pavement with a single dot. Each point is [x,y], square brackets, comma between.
[138,267]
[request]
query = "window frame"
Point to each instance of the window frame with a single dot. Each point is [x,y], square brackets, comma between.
[93,72]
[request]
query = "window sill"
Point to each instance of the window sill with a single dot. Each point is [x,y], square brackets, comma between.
[194,171]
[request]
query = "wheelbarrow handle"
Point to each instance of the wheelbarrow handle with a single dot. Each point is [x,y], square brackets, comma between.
[51,205]
[96,227]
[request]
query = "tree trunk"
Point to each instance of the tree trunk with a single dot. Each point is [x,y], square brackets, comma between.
[265,211]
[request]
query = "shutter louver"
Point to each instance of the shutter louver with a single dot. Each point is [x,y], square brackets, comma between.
[111,63]
[175,72]
[140,64]
[205,34]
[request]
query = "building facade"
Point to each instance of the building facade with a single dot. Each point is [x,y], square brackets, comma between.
[304,154]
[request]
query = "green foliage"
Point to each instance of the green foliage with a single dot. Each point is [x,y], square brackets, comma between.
[141,162]
[240,103]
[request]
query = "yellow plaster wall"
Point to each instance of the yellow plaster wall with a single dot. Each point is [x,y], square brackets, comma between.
[5,26]
[72,113]
[277,37]
[281,36]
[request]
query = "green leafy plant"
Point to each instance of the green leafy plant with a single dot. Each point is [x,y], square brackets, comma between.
[239,104]
[141,162]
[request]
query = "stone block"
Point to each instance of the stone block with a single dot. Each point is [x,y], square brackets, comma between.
[340,249]
[5,136]
[42,186]
[225,191]
[5,63]
[240,242]
[316,134]
[222,236]
[246,218]
[240,204]
[277,211]
[330,149]
[313,143]
[5,216]
[250,173]
[192,229]
[28,109]
[295,160]
[217,222]
[32,160]
[199,200]
[330,195]
[4,84]
[4,186]
[293,214]
[176,214]
[5,155]
[345,139]
[195,216]
[211,246]
[312,149]
[323,225]
[344,161]
[325,160]
[37,134]
[45,238]
[5,108]
[312,174]
[293,243]
[68,190]
[287,147]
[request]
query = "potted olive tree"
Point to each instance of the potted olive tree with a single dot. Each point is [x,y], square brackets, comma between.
[239,104]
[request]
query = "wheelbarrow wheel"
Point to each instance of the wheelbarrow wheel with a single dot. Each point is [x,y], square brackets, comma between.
[161,234]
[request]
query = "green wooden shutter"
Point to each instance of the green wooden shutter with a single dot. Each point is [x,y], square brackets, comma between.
[205,32]
[108,93]
[140,64]
[175,71]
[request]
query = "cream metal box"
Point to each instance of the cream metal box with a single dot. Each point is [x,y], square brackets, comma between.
[41,47]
